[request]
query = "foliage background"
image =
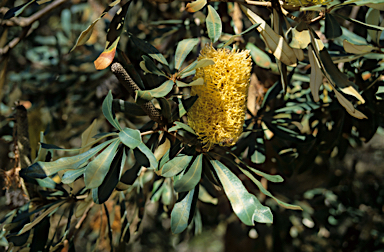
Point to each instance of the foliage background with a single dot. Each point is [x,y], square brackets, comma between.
[340,189]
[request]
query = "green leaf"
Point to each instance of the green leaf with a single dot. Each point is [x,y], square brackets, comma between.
[316,74]
[147,152]
[184,47]
[151,67]
[128,108]
[332,27]
[72,175]
[87,136]
[86,34]
[97,169]
[181,212]
[165,108]
[107,111]
[175,165]
[258,157]
[16,11]
[276,43]
[197,82]
[44,169]
[231,39]
[194,65]
[160,91]
[130,137]
[380,93]
[373,17]
[263,190]
[111,178]
[214,26]
[191,178]
[149,49]
[180,125]
[245,205]
[195,5]
[366,26]
[259,57]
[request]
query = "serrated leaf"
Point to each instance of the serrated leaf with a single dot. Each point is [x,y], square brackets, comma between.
[332,27]
[147,152]
[107,111]
[245,205]
[44,169]
[195,5]
[214,26]
[97,169]
[192,177]
[184,47]
[149,49]
[316,74]
[72,175]
[130,137]
[175,165]
[197,82]
[276,43]
[180,213]
[160,91]
[180,125]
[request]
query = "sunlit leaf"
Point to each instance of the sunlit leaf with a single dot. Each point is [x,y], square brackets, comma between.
[180,213]
[197,82]
[245,205]
[357,49]
[214,26]
[190,179]
[300,39]
[316,74]
[184,47]
[195,5]
[276,43]
[87,136]
[348,106]
[97,169]
[72,175]
[147,152]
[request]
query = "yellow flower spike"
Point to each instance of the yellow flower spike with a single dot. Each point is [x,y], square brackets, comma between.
[218,114]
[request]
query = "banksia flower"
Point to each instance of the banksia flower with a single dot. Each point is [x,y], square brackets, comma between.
[218,114]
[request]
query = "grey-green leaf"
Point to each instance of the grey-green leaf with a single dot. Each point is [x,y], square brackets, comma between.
[176,165]
[130,137]
[184,47]
[190,179]
[72,175]
[107,111]
[245,205]
[97,169]
[180,125]
[214,25]
[160,91]
[180,213]
[146,151]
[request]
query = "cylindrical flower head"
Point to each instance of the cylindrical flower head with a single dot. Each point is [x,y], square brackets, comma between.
[218,114]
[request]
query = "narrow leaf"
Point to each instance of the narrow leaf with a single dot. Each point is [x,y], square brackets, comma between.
[184,47]
[197,82]
[160,91]
[130,137]
[357,49]
[87,136]
[214,25]
[147,152]
[151,67]
[180,213]
[149,49]
[191,178]
[195,5]
[97,169]
[175,166]
[245,205]
[107,111]
[332,27]
[180,125]
[316,74]
[72,175]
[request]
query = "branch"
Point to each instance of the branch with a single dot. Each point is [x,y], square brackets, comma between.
[131,86]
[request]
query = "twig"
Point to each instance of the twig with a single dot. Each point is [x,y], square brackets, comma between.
[131,86]
[26,23]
